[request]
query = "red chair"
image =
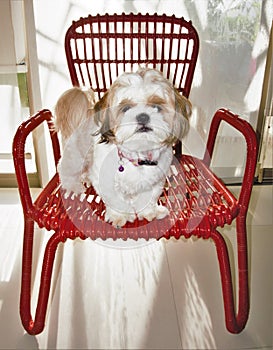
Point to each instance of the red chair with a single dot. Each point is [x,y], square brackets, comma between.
[98,49]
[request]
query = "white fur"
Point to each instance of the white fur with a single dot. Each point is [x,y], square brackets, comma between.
[134,192]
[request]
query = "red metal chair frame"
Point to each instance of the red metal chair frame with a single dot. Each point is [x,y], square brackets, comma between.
[199,202]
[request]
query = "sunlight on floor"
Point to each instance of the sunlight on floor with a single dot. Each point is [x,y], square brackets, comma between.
[197,331]
[9,216]
[100,274]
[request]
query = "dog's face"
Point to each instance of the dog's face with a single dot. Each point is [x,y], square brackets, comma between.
[143,106]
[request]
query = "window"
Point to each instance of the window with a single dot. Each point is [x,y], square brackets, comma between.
[14,99]
[234,38]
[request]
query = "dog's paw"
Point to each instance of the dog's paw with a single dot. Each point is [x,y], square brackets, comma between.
[76,188]
[118,219]
[161,212]
[85,180]
[153,212]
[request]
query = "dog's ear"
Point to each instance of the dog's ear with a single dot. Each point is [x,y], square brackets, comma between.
[183,110]
[102,118]
[100,109]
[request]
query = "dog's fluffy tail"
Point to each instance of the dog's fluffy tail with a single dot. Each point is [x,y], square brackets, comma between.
[72,108]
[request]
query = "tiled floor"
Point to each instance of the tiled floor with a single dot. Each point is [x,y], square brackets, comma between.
[163,295]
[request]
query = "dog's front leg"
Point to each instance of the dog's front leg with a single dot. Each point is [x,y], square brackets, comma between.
[71,168]
[147,207]
[118,218]
[153,211]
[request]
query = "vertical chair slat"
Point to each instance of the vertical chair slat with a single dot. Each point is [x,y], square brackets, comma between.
[101,52]
[116,48]
[184,71]
[93,38]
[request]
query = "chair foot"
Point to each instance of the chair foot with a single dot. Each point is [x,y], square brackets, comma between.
[36,326]
[235,323]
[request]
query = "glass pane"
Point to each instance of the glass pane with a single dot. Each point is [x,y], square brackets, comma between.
[233,42]
[14,109]
[13,85]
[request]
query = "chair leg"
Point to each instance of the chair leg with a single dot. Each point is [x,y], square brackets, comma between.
[235,323]
[36,326]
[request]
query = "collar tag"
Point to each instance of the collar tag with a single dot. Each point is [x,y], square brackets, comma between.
[147,162]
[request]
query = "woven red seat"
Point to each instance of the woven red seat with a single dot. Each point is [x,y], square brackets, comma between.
[198,201]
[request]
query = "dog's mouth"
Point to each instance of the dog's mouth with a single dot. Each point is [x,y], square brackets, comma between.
[143,129]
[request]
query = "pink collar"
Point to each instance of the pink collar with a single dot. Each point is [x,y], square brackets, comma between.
[135,161]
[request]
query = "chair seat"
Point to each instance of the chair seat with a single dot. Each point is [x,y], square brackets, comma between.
[197,200]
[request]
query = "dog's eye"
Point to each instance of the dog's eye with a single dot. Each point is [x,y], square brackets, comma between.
[126,108]
[157,107]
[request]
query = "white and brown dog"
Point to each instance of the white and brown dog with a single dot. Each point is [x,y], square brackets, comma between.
[122,145]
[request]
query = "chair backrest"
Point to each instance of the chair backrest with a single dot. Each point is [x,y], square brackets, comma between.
[100,48]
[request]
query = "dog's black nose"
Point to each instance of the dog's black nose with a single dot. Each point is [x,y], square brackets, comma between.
[143,118]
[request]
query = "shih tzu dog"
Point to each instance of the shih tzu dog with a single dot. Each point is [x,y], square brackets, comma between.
[122,145]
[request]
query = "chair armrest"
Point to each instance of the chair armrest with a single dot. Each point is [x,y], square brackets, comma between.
[252,149]
[18,152]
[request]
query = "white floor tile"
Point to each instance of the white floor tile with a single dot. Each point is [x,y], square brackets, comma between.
[163,295]
[198,295]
